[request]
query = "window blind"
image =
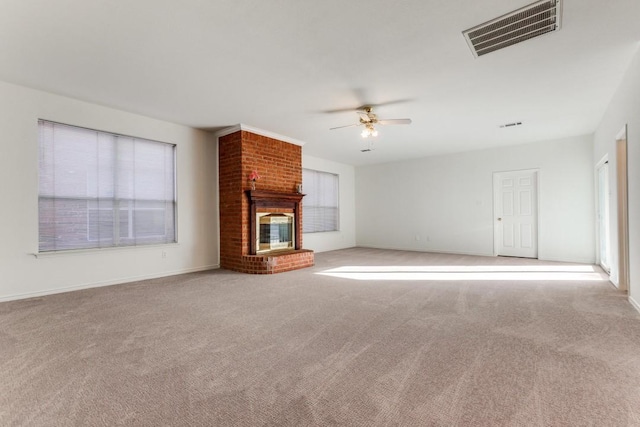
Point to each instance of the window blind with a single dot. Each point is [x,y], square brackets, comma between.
[98,189]
[320,205]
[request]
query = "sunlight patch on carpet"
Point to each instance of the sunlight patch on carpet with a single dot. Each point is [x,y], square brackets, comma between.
[463,272]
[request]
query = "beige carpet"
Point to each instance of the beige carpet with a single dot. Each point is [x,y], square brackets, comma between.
[411,339]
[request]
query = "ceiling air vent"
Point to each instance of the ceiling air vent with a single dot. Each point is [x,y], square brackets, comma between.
[509,125]
[523,24]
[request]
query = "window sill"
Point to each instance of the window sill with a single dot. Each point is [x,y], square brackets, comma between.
[92,251]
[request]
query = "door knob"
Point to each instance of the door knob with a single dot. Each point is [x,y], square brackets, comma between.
[499,219]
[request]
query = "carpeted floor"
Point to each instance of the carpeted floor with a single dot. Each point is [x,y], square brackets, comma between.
[365,338]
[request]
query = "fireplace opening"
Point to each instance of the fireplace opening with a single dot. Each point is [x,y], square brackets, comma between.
[275,232]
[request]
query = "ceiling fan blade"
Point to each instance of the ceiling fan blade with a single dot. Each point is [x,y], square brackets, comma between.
[336,110]
[394,122]
[375,106]
[360,95]
[393,102]
[347,126]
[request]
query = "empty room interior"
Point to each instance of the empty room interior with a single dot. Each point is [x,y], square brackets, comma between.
[320,213]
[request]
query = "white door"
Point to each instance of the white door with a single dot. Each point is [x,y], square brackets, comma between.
[603,216]
[516,213]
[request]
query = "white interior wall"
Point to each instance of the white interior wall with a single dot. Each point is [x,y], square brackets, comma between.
[346,236]
[22,274]
[445,203]
[624,109]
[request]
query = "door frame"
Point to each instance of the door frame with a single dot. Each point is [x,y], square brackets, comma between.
[604,160]
[622,191]
[496,232]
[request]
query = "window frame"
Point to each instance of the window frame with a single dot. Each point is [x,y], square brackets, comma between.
[116,201]
[305,187]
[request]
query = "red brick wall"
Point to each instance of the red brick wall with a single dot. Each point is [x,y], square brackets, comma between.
[230,187]
[279,165]
[270,264]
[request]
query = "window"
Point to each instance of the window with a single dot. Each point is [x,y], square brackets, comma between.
[98,189]
[320,205]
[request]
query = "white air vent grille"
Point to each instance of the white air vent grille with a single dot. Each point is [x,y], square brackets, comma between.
[523,24]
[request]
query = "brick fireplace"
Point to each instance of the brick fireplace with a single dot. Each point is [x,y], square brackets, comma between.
[279,165]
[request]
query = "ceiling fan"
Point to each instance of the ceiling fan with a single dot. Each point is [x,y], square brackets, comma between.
[369,119]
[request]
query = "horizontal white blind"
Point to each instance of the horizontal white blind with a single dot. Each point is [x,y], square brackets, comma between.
[98,189]
[320,205]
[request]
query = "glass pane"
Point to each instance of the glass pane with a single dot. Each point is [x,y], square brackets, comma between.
[149,220]
[63,224]
[100,222]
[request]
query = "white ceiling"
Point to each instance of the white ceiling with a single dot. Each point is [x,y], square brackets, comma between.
[283,65]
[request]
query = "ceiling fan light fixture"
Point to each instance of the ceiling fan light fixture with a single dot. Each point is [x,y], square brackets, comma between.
[369,130]
[368,119]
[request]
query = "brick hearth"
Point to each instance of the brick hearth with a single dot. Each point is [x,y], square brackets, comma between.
[279,165]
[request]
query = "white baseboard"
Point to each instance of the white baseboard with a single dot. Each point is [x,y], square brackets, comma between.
[429,250]
[106,283]
[634,303]
[575,260]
